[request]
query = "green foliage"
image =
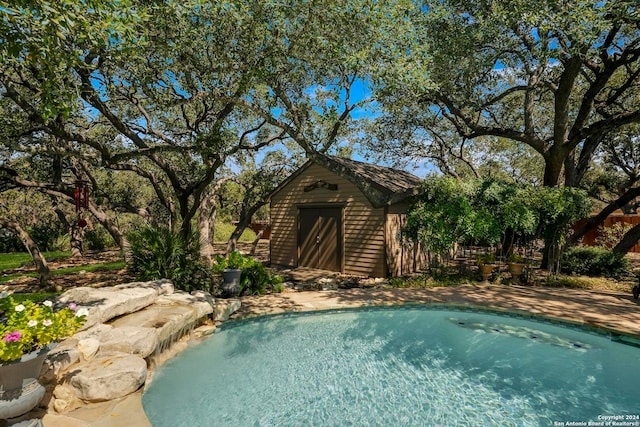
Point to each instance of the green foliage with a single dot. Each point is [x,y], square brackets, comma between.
[515,258]
[559,208]
[449,211]
[582,282]
[44,236]
[439,279]
[485,259]
[158,252]
[62,243]
[36,297]
[28,326]
[98,239]
[9,242]
[608,237]
[257,280]
[49,38]
[443,214]
[233,261]
[224,230]
[593,261]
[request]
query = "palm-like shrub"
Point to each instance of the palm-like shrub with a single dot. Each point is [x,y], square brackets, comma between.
[158,252]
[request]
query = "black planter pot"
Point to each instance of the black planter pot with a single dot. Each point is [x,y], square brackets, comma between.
[231,282]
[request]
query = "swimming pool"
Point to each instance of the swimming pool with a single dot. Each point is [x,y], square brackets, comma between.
[392,367]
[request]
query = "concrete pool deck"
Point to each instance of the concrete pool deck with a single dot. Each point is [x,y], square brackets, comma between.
[608,311]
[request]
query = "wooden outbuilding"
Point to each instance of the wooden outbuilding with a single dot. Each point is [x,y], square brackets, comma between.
[343,215]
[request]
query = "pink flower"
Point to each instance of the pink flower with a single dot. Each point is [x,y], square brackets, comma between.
[73,306]
[12,336]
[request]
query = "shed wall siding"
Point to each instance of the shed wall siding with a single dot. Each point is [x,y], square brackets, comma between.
[363,225]
[403,256]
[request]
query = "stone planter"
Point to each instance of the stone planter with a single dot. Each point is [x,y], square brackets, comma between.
[515,268]
[485,271]
[231,282]
[20,390]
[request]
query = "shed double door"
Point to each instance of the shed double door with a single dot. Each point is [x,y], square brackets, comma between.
[320,238]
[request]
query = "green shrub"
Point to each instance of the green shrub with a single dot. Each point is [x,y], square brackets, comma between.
[233,261]
[428,281]
[62,243]
[594,262]
[158,252]
[257,280]
[9,242]
[98,239]
[45,236]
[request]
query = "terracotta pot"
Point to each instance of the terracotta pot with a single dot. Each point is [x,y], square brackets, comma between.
[485,271]
[515,268]
[20,390]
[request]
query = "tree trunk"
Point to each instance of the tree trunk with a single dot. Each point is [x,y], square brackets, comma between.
[594,221]
[254,244]
[245,219]
[36,255]
[207,220]
[553,162]
[76,235]
[206,229]
[113,229]
[570,170]
[232,243]
[551,256]
[628,241]
[76,240]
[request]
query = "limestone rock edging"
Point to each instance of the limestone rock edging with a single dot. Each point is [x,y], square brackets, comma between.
[129,328]
[108,377]
[105,304]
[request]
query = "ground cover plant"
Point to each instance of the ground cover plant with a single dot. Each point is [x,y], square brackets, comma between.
[594,262]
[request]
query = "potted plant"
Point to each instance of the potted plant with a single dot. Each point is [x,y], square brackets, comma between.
[28,331]
[486,265]
[231,269]
[516,265]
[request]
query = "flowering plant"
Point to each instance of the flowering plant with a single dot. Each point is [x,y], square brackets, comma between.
[28,326]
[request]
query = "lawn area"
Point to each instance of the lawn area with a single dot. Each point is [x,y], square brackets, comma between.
[18,274]
[90,268]
[9,261]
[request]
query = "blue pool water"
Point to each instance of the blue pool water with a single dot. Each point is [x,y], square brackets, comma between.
[400,367]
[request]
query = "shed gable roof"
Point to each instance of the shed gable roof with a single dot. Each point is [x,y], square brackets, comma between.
[382,186]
